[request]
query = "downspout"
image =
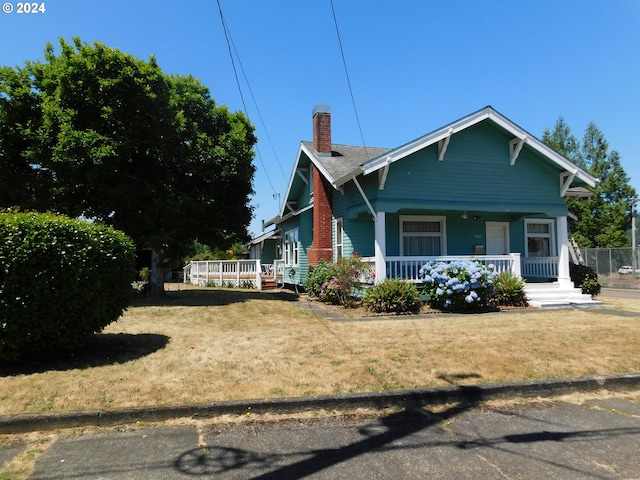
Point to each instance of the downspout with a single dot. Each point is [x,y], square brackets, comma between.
[380,240]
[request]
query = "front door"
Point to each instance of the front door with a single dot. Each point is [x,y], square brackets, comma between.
[497,238]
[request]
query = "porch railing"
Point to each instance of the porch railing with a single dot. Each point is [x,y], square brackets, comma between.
[540,267]
[237,273]
[408,268]
[274,271]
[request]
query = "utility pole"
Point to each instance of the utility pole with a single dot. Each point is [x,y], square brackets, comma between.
[634,263]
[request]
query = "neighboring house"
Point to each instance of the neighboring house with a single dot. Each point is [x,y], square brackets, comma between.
[480,187]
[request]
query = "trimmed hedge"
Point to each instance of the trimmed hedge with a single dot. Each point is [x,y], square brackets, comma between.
[61,281]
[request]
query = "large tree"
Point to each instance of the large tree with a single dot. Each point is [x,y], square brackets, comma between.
[92,131]
[604,217]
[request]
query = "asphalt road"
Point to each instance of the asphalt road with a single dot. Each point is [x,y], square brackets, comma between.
[633,293]
[596,440]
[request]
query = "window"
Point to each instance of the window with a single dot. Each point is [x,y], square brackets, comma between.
[539,234]
[422,236]
[291,248]
[339,235]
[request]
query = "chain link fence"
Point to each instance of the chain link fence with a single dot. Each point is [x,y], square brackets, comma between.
[615,266]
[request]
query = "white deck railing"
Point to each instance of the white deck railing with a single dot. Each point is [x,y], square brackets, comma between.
[237,273]
[540,267]
[408,268]
[223,272]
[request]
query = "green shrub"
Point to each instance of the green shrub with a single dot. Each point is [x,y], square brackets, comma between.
[61,280]
[345,286]
[392,296]
[510,290]
[585,278]
[317,277]
[591,286]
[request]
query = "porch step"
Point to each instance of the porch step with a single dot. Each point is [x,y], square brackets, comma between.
[269,285]
[553,295]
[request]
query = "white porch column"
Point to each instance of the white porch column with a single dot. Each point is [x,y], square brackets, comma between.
[380,246]
[564,278]
[516,267]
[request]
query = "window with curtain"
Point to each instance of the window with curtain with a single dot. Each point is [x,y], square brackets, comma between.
[422,236]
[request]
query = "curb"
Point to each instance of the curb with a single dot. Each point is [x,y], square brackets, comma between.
[409,399]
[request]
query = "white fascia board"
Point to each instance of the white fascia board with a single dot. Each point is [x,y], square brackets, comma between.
[263,237]
[283,207]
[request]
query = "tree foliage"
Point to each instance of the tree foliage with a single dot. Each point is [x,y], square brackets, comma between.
[95,132]
[605,217]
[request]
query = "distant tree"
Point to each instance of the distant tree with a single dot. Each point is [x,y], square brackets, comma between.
[95,132]
[605,217]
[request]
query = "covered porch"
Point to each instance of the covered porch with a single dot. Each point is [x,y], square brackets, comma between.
[538,256]
[408,268]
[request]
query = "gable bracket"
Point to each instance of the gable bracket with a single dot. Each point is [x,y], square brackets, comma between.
[444,144]
[364,197]
[515,147]
[382,177]
[303,173]
[291,206]
[566,178]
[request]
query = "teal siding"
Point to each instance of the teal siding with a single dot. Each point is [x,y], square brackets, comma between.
[268,254]
[475,171]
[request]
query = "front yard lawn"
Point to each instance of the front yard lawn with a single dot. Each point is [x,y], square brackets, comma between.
[202,345]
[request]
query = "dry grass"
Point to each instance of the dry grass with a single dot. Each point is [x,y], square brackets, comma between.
[210,345]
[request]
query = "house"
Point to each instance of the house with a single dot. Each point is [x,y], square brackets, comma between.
[480,187]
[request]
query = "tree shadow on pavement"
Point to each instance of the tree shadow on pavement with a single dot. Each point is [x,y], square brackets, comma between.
[379,437]
[102,349]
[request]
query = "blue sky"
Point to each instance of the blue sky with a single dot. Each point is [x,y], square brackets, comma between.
[414,65]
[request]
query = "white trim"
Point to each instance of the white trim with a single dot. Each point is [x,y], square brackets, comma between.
[515,147]
[551,235]
[382,177]
[424,218]
[295,252]
[338,242]
[443,145]
[565,182]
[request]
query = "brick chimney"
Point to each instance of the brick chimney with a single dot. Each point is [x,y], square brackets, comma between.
[322,129]
[321,246]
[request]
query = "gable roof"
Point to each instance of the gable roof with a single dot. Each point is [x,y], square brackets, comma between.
[337,168]
[520,138]
[346,162]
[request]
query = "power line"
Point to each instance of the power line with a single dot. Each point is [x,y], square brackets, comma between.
[227,36]
[346,71]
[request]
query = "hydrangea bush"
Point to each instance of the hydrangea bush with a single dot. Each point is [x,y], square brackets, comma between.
[462,285]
